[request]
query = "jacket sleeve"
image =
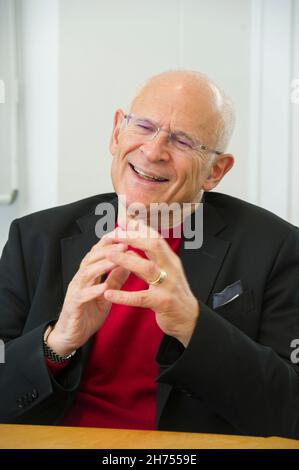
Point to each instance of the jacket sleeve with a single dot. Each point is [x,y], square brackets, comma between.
[252,384]
[29,392]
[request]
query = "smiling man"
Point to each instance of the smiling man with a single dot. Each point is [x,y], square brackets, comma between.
[135,330]
[190,113]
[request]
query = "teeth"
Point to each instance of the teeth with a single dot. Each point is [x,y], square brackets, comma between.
[148,177]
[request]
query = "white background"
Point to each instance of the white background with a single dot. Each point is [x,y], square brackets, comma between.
[78,60]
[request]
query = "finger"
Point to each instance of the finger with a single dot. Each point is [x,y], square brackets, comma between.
[155,248]
[99,252]
[88,274]
[140,298]
[89,293]
[104,240]
[144,268]
[99,249]
[117,277]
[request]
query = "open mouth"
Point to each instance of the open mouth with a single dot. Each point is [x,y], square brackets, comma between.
[143,175]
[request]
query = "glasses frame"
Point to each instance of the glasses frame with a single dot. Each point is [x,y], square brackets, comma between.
[198,145]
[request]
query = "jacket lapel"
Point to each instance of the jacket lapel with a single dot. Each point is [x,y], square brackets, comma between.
[73,251]
[74,248]
[201,267]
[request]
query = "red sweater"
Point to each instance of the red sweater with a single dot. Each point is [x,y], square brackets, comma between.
[118,389]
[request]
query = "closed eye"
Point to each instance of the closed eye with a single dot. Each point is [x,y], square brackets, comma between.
[145,126]
[183,141]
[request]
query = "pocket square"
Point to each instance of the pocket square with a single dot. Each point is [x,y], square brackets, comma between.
[228,294]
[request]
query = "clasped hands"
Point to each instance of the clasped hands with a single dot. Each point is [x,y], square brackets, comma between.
[88,300]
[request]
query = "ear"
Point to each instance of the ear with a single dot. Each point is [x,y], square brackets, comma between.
[117,121]
[222,164]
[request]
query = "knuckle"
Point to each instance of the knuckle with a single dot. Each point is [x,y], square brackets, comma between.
[95,246]
[173,289]
[156,244]
[86,260]
[83,262]
[142,299]
[151,269]
[101,243]
[166,303]
[85,270]
[118,297]
[106,237]
[77,297]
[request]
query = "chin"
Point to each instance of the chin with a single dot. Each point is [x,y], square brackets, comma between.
[138,198]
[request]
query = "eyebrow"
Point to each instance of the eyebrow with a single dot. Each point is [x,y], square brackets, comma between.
[184,134]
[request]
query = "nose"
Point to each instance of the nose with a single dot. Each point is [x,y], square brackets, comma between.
[156,149]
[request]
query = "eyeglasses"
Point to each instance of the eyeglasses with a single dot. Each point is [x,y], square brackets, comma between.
[149,130]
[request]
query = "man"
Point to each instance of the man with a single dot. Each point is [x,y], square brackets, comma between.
[138,330]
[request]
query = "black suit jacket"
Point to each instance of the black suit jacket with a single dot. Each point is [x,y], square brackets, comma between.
[234,377]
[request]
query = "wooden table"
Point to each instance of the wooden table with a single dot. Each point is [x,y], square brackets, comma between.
[58,437]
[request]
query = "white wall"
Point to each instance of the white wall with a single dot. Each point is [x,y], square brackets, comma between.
[38,64]
[8,119]
[294,120]
[37,72]
[109,48]
[81,59]
[274,143]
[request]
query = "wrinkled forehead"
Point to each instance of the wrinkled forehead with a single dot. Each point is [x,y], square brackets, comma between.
[179,106]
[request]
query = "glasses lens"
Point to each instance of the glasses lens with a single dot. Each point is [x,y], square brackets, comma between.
[143,126]
[182,142]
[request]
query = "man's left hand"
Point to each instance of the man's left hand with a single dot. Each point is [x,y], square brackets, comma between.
[172,300]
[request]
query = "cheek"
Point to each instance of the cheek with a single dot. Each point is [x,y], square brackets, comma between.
[117,171]
[191,173]
[120,159]
[115,167]
[114,173]
[200,170]
[192,179]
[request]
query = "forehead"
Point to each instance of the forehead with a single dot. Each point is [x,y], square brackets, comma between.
[178,105]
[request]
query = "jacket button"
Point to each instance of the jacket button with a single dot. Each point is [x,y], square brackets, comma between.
[34,394]
[29,398]
[20,403]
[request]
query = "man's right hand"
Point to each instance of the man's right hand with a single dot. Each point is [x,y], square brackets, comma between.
[85,308]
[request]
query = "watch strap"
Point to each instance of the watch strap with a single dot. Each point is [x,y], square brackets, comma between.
[50,353]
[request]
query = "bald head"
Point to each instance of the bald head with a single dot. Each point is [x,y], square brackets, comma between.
[206,101]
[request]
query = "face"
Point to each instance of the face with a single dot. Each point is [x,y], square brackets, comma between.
[176,107]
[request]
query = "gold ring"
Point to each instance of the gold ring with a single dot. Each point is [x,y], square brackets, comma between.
[159,279]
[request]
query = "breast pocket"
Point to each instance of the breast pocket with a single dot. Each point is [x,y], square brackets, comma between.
[241,312]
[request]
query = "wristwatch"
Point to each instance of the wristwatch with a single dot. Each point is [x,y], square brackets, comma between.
[50,353]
